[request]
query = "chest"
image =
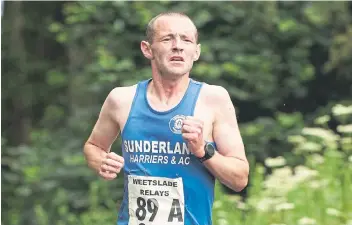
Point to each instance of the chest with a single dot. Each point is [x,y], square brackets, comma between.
[202,111]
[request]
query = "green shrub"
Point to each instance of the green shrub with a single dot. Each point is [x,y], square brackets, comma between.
[317,192]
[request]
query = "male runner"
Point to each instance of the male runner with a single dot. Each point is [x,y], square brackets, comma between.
[178,134]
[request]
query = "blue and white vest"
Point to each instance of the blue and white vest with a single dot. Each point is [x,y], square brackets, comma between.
[164,184]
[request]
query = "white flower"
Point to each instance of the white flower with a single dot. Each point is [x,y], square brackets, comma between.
[317,159]
[234,198]
[222,214]
[279,182]
[345,128]
[283,172]
[309,147]
[275,162]
[284,206]
[307,221]
[315,184]
[346,143]
[296,139]
[339,109]
[222,222]
[304,173]
[327,135]
[346,140]
[266,203]
[333,212]
[217,204]
[322,120]
[241,205]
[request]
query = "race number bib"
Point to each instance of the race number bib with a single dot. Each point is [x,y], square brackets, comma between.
[155,201]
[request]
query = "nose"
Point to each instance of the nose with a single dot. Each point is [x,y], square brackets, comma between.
[177,45]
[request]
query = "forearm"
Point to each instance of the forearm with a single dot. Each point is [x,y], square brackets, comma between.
[94,156]
[230,171]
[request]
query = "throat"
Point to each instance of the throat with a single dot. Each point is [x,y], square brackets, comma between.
[163,97]
[164,103]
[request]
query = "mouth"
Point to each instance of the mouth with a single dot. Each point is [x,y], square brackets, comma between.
[177,59]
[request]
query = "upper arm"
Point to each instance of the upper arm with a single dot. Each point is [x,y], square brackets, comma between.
[226,132]
[106,129]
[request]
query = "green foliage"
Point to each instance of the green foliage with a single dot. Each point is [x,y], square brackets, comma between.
[316,192]
[285,65]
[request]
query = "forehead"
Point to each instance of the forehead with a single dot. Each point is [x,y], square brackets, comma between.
[174,24]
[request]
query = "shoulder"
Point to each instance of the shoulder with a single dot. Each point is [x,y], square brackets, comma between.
[120,96]
[215,95]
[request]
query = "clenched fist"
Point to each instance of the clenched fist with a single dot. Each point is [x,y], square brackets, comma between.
[192,132]
[111,166]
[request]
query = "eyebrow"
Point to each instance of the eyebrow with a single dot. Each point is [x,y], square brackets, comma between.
[183,36]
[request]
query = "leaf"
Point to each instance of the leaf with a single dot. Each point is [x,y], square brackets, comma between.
[286,25]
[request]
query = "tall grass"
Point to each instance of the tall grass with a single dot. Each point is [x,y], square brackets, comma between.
[316,192]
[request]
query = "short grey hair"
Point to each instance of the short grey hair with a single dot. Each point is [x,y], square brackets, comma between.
[150,27]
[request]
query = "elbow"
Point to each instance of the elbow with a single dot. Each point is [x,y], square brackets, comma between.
[241,184]
[85,149]
[237,185]
[88,151]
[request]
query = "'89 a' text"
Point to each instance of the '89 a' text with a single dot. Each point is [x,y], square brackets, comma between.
[151,206]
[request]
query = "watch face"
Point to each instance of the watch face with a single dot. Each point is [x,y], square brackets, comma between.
[210,148]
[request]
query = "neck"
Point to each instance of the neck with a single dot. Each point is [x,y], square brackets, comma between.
[168,89]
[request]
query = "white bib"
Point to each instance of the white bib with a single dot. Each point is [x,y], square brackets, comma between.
[155,200]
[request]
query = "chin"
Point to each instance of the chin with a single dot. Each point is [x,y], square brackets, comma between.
[178,72]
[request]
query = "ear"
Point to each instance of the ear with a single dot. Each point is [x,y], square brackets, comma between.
[146,50]
[197,54]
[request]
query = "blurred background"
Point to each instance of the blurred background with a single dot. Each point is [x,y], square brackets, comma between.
[286,65]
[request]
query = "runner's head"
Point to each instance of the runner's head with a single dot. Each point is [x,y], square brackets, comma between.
[171,44]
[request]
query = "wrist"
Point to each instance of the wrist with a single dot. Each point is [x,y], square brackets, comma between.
[199,153]
[208,152]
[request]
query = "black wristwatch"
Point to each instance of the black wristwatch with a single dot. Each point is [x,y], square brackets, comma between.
[209,150]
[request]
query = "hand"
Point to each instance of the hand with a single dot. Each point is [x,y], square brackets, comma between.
[111,166]
[192,132]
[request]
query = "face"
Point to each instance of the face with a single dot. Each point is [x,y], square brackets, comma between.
[174,47]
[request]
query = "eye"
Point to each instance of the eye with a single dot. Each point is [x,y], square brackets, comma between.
[188,40]
[166,39]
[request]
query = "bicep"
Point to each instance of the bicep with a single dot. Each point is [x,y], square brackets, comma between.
[226,131]
[106,128]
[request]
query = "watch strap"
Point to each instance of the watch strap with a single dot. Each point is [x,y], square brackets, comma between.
[208,154]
